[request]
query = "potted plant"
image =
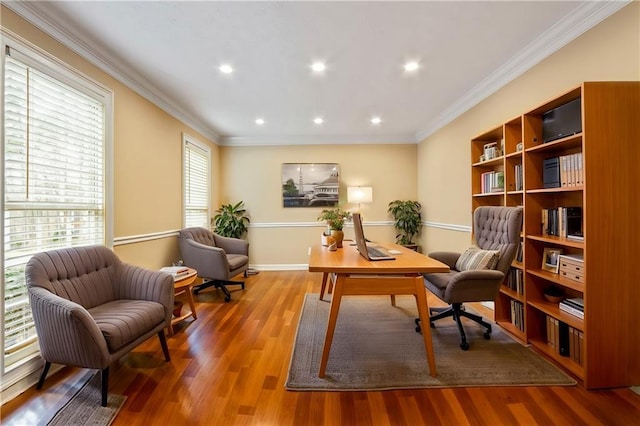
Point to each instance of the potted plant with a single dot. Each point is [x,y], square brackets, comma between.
[335,219]
[408,221]
[230,220]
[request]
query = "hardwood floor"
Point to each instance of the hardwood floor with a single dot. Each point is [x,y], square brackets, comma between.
[229,368]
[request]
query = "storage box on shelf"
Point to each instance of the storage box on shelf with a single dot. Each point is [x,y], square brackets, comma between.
[591,198]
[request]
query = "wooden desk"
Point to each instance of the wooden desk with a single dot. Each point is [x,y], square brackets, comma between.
[183,284]
[354,275]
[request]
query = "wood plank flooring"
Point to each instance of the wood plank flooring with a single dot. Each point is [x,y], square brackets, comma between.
[229,368]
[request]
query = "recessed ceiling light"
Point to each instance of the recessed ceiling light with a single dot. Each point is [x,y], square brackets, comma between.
[318,120]
[260,121]
[376,120]
[318,66]
[411,66]
[226,69]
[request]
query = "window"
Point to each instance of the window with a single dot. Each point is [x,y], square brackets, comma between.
[55,154]
[196,183]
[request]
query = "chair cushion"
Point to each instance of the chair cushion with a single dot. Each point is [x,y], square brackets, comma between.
[475,258]
[123,321]
[237,261]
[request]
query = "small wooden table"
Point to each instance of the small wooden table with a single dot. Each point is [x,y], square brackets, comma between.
[183,284]
[355,275]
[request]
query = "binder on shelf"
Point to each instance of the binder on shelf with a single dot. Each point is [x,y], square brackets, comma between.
[551,173]
[563,339]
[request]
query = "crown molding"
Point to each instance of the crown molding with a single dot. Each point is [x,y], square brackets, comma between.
[126,75]
[586,16]
[318,140]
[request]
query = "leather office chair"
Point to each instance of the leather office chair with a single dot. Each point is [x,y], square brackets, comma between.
[216,258]
[90,309]
[496,231]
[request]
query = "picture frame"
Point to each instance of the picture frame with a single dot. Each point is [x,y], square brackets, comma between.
[551,259]
[310,185]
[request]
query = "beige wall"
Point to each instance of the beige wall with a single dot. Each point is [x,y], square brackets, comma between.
[147,158]
[253,175]
[609,51]
[148,173]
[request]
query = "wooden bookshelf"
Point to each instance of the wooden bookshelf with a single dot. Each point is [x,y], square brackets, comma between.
[608,144]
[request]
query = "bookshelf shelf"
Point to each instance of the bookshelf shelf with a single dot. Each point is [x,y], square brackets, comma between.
[567,363]
[557,279]
[607,280]
[554,190]
[557,241]
[513,330]
[512,293]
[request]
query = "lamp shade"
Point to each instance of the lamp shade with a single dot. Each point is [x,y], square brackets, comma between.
[359,194]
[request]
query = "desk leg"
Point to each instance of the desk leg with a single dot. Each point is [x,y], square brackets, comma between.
[325,275]
[423,313]
[331,325]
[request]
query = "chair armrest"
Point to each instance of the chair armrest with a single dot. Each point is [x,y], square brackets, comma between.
[447,257]
[474,286]
[67,334]
[210,262]
[232,245]
[136,283]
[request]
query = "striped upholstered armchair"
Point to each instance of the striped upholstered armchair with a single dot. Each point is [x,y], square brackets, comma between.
[90,308]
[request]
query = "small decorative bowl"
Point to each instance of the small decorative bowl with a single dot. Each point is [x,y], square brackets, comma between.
[553,299]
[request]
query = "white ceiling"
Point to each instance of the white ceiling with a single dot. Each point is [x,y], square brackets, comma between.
[170,51]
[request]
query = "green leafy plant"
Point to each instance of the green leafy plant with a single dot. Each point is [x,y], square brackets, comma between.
[230,220]
[335,218]
[408,220]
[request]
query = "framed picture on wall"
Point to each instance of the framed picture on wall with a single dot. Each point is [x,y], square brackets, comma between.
[310,184]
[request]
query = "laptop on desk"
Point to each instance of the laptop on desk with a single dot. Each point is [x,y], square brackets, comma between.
[368,252]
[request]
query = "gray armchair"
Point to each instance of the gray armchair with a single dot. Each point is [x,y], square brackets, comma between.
[494,229]
[216,258]
[90,308]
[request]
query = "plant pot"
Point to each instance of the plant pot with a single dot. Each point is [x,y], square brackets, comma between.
[338,236]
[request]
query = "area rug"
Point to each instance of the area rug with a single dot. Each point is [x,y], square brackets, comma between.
[84,407]
[375,347]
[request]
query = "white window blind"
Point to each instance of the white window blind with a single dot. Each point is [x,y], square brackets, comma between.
[196,184]
[54,186]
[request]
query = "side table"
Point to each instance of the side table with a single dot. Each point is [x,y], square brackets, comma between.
[183,284]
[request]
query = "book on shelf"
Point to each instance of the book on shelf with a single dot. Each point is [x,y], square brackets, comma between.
[517,314]
[518,177]
[519,252]
[491,182]
[176,271]
[576,302]
[572,310]
[515,280]
[563,222]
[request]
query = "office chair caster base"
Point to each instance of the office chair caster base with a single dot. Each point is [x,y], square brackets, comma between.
[464,346]
[487,335]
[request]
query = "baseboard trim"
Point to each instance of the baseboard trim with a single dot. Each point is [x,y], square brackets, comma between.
[280,267]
